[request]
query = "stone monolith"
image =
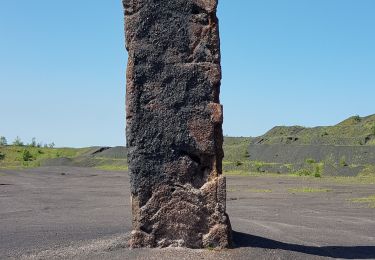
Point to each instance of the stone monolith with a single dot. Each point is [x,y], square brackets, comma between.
[174,124]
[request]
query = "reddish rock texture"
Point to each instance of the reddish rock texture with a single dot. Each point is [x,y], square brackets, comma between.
[174,124]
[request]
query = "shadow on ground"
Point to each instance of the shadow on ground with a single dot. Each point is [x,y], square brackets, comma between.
[344,252]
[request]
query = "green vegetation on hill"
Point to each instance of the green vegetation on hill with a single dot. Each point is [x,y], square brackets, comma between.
[236,148]
[106,158]
[352,131]
[345,149]
[22,156]
[236,154]
[26,156]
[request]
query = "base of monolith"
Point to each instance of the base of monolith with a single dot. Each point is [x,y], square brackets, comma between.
[183,216]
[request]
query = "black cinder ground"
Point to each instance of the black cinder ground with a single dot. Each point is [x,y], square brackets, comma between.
[81,213]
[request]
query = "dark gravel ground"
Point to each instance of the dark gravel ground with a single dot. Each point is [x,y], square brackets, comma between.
[82,213]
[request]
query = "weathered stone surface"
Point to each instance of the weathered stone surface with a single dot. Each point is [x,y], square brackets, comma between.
[174,124]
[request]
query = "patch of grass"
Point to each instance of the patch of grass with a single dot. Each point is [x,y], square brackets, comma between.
[236,148]
[358,180]
[368,179]
[232,189]
[259,190]
[27,156]
[258,174]
[368,171]
[370,201]
[242,166]
[311,170]
[236,173]
[303,172]
[310,161]
[306,173]
[289,166]
[343,162]
[258,165]
[308,190]
[113,168]
[21,157]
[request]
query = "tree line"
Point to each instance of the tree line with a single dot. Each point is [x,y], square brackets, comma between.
[18,142]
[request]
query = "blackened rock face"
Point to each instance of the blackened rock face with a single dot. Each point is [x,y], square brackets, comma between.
[174,124]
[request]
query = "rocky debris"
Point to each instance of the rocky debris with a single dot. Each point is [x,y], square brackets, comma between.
[174,124]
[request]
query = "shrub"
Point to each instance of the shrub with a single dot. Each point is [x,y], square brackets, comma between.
[258,166]
[310,161]
[357,118]
[289,167]
[343,162]
[318,169]
[26,155]
[373,129]
[18,142]
[304,172]
[247,155]
[238,163]
[3,141]
[2,156]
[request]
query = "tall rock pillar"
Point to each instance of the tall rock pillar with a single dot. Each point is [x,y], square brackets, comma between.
[174,124]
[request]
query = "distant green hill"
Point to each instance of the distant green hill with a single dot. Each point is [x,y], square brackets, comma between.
[352,131]
[347,148]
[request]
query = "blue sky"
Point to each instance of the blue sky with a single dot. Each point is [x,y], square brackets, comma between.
[290,62]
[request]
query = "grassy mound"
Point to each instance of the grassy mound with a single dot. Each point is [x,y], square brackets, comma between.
[352,131]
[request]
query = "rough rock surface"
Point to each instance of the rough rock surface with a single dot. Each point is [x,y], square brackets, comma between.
[174,124]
